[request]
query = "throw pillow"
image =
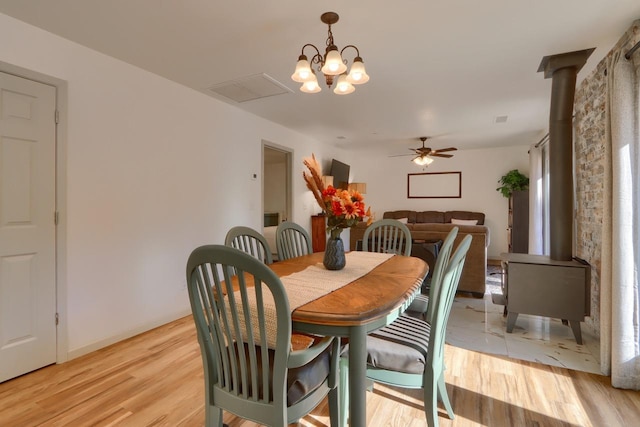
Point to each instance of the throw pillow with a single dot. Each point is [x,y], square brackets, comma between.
[464,221]
[403,220]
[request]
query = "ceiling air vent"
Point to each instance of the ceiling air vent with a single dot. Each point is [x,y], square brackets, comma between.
[249,88]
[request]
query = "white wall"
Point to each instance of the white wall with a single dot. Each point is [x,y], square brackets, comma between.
[148,165]
[386,179]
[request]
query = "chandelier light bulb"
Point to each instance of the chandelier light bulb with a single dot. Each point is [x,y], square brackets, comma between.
[333,64]
[343,87]
[303,70]
[357,75]
[311,85]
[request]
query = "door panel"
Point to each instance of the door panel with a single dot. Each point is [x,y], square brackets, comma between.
[27,229]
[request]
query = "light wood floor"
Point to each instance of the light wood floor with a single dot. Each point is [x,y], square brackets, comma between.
[155,379]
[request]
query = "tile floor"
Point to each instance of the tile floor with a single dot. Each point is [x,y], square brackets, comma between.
[479,325]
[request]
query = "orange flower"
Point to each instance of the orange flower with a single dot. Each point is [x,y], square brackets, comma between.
[356,196]
[329,192]
[336,208]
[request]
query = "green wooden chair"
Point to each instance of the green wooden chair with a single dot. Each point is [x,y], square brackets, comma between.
[387,236]
[249,241]
[420,305]
[409,352]
[250,368]
[292,241]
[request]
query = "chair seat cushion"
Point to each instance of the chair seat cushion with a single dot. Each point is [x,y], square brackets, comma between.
[300,381]
[401,346]
[418,306]
[305,379]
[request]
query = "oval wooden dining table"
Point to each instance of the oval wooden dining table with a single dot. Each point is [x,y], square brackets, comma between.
[357,308]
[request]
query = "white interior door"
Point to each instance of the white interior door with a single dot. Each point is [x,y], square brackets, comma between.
[27,227]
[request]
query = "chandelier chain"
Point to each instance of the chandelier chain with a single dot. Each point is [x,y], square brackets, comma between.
[330,37]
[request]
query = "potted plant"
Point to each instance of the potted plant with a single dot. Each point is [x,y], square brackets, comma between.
[512,181]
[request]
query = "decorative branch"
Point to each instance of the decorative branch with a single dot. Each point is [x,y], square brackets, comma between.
[314,180]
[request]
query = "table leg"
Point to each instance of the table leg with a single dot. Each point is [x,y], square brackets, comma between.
[357,376]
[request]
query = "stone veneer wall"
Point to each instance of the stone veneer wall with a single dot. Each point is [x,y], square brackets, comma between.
[589,140]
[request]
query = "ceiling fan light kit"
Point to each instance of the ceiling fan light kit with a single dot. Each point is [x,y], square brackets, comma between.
[424,155]
[330,65]
[423,160]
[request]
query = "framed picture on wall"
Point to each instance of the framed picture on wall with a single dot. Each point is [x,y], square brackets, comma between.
[434,185]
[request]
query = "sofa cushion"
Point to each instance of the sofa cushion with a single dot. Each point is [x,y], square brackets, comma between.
[430,217]
[464,215]
[456,221]
[410,215]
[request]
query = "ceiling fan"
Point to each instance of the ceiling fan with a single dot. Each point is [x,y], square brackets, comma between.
[424,154]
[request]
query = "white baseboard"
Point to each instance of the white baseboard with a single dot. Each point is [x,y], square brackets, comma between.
[72,354]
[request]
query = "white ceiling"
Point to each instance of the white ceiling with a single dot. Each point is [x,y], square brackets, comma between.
[438,68]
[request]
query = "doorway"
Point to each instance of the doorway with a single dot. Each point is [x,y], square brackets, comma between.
[276,184]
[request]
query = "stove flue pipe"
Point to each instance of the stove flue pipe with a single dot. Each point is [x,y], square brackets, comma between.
[563,69]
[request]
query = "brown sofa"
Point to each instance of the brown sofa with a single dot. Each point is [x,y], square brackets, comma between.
[434,225]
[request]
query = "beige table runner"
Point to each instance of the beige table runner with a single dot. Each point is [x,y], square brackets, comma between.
[312,283]
[316,281]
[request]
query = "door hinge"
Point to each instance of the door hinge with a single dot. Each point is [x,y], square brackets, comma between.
[56,117]
[57,319]
[56,217]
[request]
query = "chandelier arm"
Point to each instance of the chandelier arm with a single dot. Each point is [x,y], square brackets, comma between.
[350,45]
[313,46]
[318,60]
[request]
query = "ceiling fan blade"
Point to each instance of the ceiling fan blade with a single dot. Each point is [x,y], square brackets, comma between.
[402,155]
[440,155]
[446,149]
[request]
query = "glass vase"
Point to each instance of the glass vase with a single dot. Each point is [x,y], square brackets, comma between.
[334,258]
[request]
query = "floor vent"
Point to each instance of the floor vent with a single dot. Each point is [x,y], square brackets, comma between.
[249,88]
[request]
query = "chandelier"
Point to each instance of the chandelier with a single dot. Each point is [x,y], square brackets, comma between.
[331,65]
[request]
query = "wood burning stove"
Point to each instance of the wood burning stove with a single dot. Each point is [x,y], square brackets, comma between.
[538,285]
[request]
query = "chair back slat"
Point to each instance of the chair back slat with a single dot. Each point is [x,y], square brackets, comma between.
[387,236]
[248,240]
[200,284]
[292,240]
[245,335]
